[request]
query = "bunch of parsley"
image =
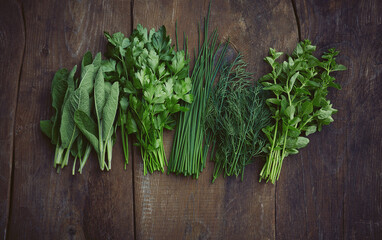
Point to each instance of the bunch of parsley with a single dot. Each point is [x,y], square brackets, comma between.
[298,102]
[153,81]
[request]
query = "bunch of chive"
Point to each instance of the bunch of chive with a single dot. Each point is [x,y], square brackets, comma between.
[189,152]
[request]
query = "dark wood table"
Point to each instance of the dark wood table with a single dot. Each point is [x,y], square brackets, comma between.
[331,190]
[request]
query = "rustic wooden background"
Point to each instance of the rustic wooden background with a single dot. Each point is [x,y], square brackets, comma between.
[331,190]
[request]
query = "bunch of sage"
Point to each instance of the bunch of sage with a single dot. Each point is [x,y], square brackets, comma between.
[73,103]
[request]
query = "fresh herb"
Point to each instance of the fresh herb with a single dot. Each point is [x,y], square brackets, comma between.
[299,103]
[236,114]
[106,104]
[188,155]
[153,82]
[68,96]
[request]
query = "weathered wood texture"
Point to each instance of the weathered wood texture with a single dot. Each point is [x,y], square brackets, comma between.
[47,205]
[183,208]
[11,48]
[332,189]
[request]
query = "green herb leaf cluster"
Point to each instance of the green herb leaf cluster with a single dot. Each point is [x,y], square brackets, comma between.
[190,148]
[236,114]
[69,95]
[299,103]
[153,83]
[100,132]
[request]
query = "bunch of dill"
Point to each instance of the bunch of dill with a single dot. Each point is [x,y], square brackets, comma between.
[235,115]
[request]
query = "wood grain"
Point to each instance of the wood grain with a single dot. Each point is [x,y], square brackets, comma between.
[12,49]
[184,208]
[332,189]
[47,205]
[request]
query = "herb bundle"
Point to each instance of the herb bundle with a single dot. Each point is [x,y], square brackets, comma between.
[105,107]
[72,101]
[236,114]
[188,155]
[299,106]
[153,82]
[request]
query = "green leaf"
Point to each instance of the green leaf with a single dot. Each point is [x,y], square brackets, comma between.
[307,108]
[293,132]
[302,142]
[88,128]
[159,108]
[86,60]
[339,67]
[87,76]
[109,111]
[269,60]
[276,88]
[289,111]
[46,127]
[59,88]
[311,129]
[124,103]
[294,121]
[284,103]
[129,88]
[116,39]
[108,65]
[292,151]
[325,112]
[162,71]
[99,94]
[148,93]
[159,96]
[153,60]
[290,62]
[188,98]
[97,62]
[335,85]
[178,62]
[313,84]
[131,124]
[313,61]
[140,80]
[273,101]
[78,100]
[298,51]
[292,80]
[266,78]
[125,43]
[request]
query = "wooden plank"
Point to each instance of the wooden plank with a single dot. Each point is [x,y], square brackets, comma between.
[331,190]
[12,49]
[184,208]
[47,205]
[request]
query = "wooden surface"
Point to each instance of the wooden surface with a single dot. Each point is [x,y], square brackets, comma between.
[12,48]
[331,190]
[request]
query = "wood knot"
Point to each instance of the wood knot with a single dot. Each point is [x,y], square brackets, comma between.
[72,231]
[45,51]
